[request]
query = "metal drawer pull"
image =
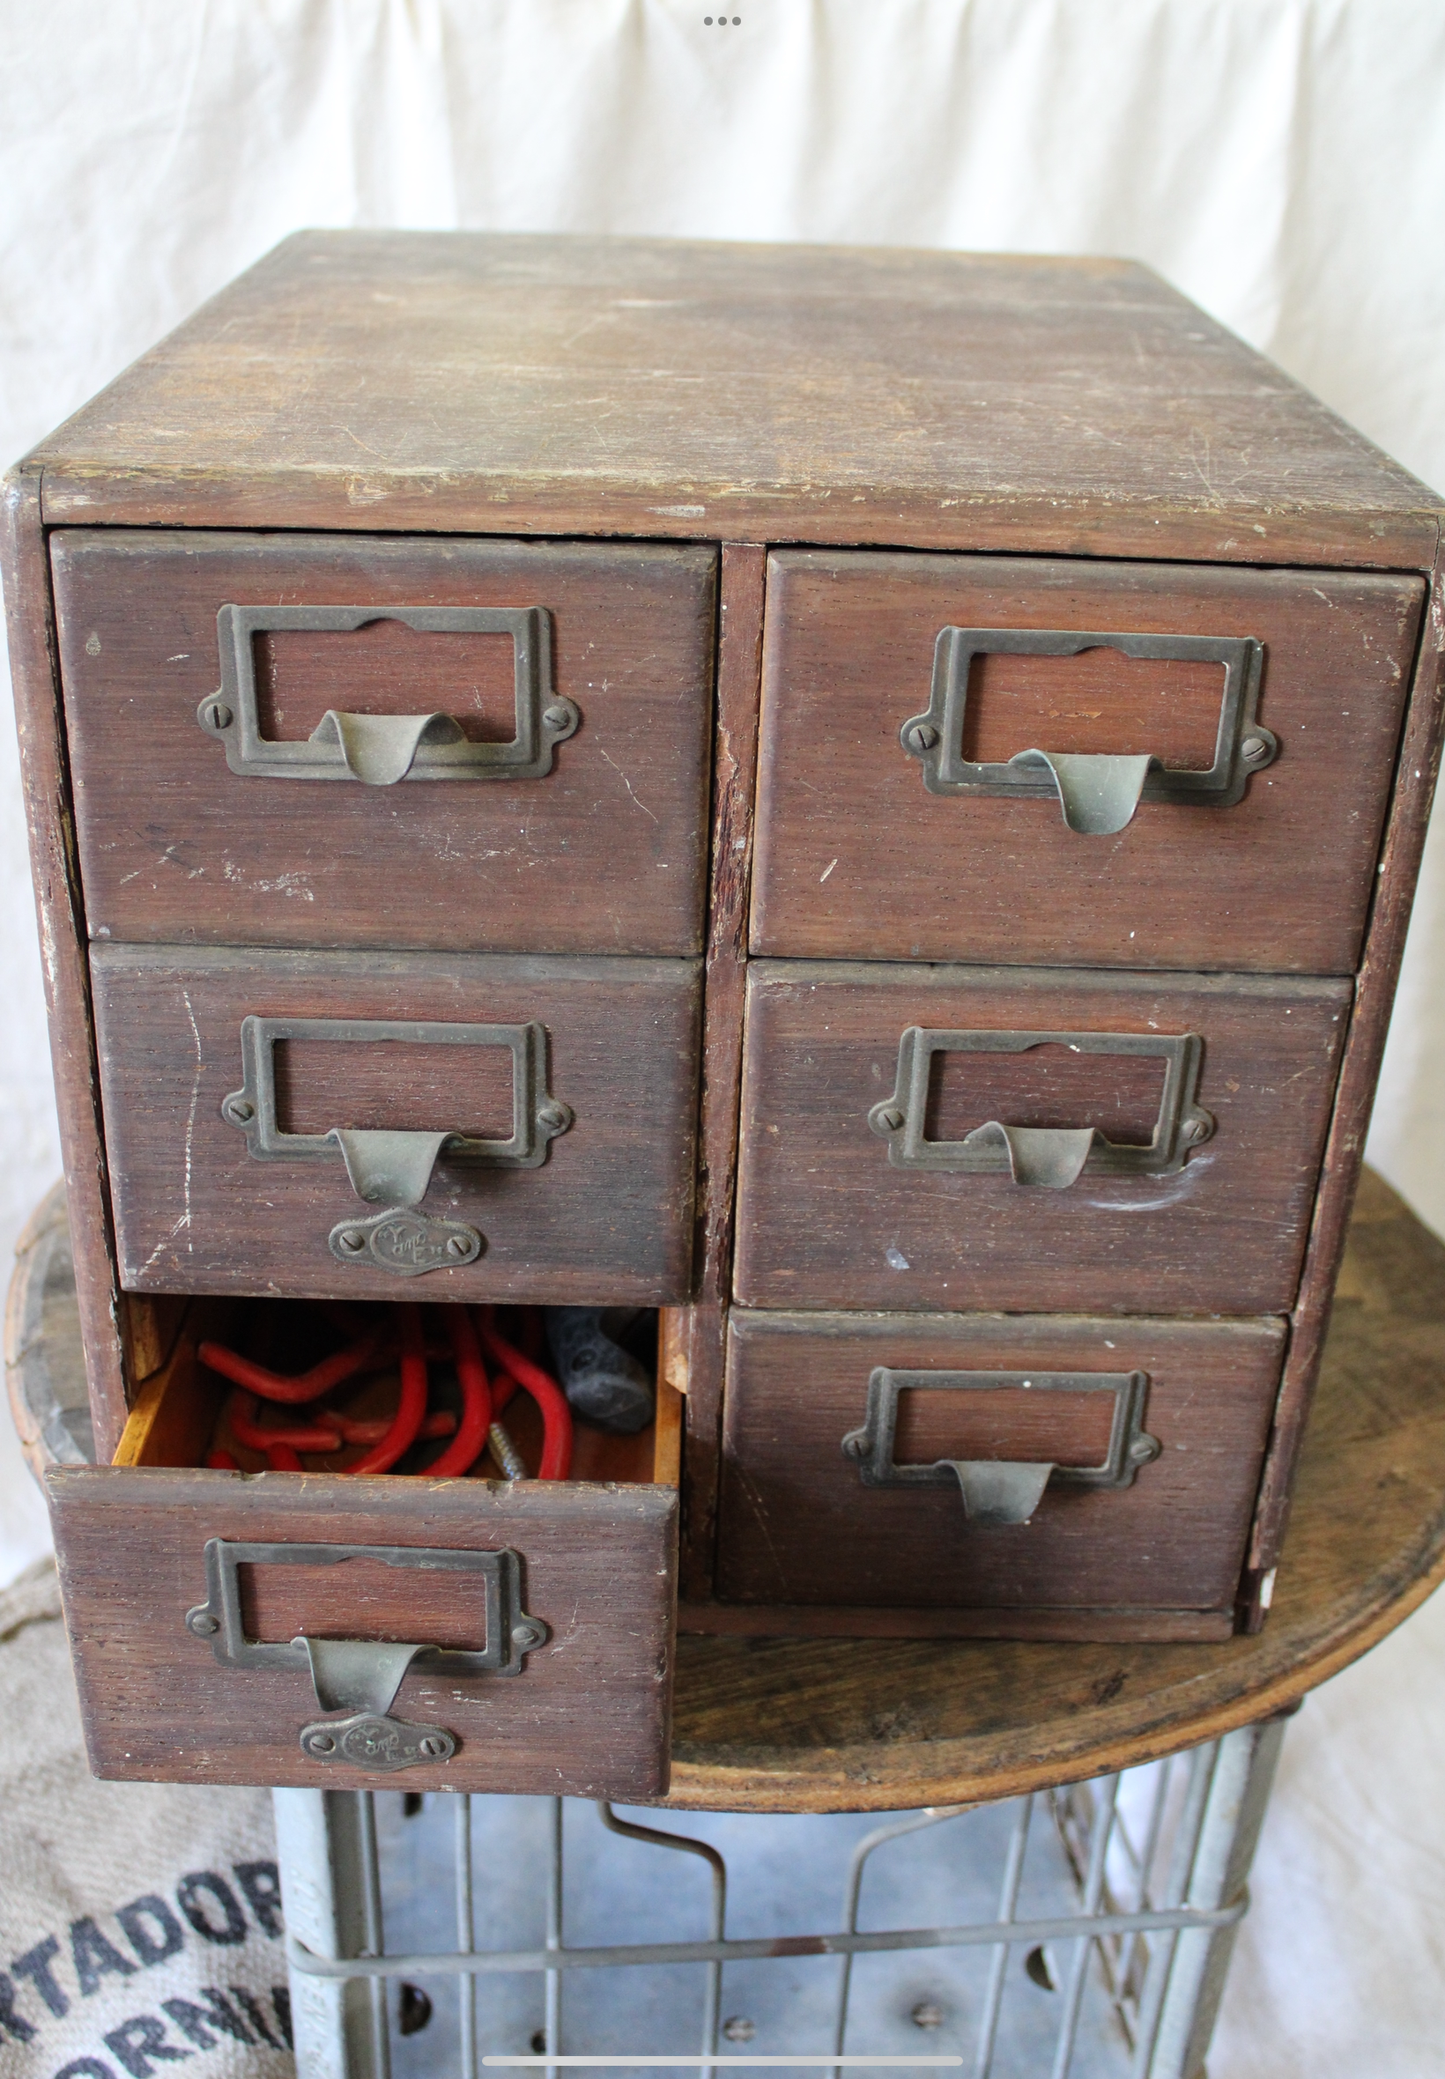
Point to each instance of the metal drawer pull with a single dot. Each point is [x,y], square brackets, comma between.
[389,1167]
[357,1676]
[1098,794]
[997,1492]
[379,750]
[1053,1157]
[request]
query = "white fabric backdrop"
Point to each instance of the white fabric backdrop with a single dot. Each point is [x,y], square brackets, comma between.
[1282,161]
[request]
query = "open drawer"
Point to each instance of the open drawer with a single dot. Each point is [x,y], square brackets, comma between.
[322,1629]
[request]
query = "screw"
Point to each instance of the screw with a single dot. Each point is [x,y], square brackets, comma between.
[922,737]
[435,1746]
[560,715]
[891,1117]
[352,1239]
[216,715]
[738,2029]
[241,1110]
[320,1743]
[1196,1130]
[553,1114]
[1254,750]
[203,1624]
[927,2014]
[458,1245]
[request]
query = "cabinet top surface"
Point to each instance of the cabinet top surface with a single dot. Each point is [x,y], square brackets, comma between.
[516,384]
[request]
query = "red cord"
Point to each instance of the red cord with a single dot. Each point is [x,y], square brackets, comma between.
[411,1409]
[223,1462]
[247,1430]
[556,1415]
[280,1458]
[442,1424]
[471,1437]
[342,1364]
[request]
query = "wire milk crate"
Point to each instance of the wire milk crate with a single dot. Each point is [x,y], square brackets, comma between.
[1081,1932]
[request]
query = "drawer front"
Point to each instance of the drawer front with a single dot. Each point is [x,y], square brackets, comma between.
[556,802]
[905,1461]
[414,1125]
[941,848]
[584,1712]
[1030,1139]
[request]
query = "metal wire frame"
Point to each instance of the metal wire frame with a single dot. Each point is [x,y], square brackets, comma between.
[1157,1908]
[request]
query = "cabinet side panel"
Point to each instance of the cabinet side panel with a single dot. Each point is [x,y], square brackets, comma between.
[45,777]
[1379,972]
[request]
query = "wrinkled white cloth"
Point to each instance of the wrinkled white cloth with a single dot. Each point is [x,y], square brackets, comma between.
[140,1923]
[1282,161]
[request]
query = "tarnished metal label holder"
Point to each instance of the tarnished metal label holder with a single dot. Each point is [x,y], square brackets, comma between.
[1053,1157]
[379,750]
[358,1676]
[1098,794]
[998,1492]
[394,1168]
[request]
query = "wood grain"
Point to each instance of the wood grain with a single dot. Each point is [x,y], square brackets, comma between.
[734,775]
[883,1725]
[826,1220]
[1415,782]
[606,853]
[472,381]
[607,1218]
[799,1527]
[60,909]
[587,1717]
[856,858]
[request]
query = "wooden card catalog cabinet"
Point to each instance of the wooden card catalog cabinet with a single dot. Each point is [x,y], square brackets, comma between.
[900,878]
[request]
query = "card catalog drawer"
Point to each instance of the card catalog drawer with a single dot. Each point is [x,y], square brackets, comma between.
[1032,1139]
[928,1461]
[481,745]
[328,1123]
[930,721]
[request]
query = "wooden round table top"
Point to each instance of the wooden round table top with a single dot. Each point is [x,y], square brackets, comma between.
[831,1725]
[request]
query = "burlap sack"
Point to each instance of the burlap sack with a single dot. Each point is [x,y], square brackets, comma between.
[140,1924]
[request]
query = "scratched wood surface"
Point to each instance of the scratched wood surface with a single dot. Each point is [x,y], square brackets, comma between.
[826,1220]
[605,1219]
[606,853]
[374,380]
[856,859]
[848,1725]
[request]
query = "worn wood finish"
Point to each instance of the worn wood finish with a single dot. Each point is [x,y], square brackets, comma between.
[842,1725]
[1415,782]
[857,858]
[605,853]
[798,1526]
[469,381]
[826,1220]
[734,770]
[607,1218]
[60,910]
[587,1717]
